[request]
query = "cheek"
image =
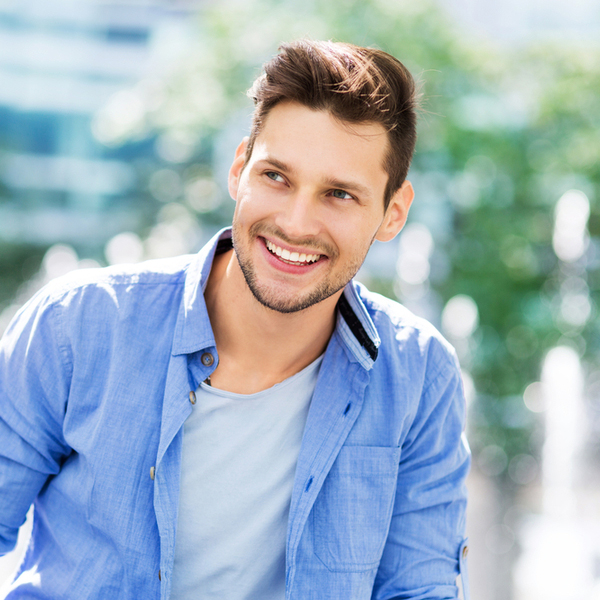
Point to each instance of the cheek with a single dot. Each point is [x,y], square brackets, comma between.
[354,235]
[247,207]
[255,198]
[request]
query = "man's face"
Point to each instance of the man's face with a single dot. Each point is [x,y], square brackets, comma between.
[309,205]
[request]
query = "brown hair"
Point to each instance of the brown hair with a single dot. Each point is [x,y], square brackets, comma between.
[355,84]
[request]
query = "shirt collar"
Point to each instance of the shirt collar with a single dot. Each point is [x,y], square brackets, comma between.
[193,331]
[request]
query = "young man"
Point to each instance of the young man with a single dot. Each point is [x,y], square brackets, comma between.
[248,423]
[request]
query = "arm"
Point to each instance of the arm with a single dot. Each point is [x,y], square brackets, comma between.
[34,385]
[423,555]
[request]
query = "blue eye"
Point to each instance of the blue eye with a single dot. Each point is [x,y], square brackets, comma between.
[274,176]
[341,194]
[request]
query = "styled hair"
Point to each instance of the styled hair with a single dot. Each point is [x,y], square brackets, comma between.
[354,84]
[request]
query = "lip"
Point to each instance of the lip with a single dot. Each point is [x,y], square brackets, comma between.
[286,267]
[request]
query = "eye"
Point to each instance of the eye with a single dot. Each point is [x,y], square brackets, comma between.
[274,176]
[341,195]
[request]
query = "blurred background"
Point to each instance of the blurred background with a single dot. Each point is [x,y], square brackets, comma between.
[118,122]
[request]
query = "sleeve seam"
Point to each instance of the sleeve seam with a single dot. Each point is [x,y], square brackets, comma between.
[63,347]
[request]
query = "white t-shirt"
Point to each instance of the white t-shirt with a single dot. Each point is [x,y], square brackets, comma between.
[237,474]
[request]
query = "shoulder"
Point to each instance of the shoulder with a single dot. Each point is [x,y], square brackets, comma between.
[166,271]
[98,293]
[416,361]
[408,338]
[128,279]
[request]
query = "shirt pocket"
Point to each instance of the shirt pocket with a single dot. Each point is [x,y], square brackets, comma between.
[352,512]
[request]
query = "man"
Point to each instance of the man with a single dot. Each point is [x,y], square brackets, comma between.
[248,423]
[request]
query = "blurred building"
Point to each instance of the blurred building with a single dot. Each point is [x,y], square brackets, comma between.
[60,63]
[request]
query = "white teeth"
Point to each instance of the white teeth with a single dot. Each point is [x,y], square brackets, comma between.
[291,256]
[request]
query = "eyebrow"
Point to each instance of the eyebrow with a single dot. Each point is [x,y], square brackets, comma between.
[277,164]
[333,183]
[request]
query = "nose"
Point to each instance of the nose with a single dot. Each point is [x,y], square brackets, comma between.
[299,215]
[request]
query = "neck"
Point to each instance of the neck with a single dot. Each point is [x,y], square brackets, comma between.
[259,347]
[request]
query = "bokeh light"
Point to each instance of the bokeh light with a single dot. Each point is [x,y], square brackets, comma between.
[460,317]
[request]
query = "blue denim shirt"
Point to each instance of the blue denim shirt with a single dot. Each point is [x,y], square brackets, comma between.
[95,376]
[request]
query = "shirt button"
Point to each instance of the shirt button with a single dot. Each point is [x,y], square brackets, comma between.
[192,397]
[207,359]
[465,551]
[152,471]
[159,577]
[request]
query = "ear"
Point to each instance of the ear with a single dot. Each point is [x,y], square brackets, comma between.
[396,213]
[237,166]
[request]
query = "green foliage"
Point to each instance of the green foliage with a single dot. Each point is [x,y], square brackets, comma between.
[18,262]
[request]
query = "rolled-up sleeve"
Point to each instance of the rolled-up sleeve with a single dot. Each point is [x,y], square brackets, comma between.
[424,552]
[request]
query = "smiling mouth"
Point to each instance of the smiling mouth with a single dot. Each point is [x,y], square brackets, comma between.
[291,258]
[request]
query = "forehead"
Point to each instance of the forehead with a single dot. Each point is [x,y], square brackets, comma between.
[319,142]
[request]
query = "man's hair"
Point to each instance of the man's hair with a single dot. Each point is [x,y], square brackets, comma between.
[354,84]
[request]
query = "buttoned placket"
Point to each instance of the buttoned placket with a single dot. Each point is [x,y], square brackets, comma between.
[184,374]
